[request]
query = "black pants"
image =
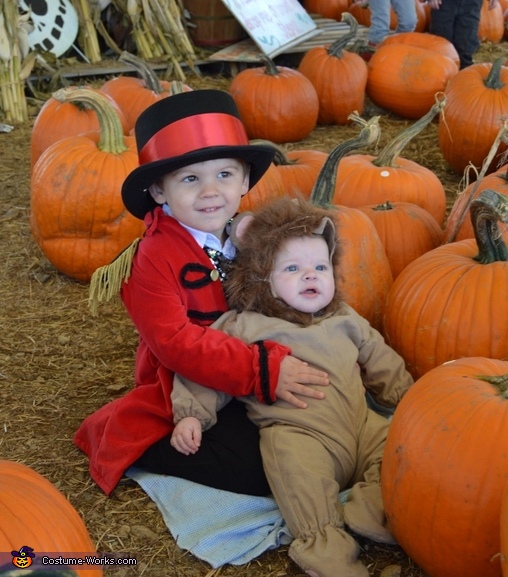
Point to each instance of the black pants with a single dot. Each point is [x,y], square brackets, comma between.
[458,22]
[228,459]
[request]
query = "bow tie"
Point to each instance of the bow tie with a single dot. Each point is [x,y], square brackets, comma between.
[220,262]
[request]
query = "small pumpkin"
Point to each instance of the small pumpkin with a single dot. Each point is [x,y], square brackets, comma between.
[450,302]
[268,187]
[491,26]
[444,468]
[77,217]
[134,95]
[326,8]
[34,513]
[276,103]
[406,230]
[465,137]
[339,77]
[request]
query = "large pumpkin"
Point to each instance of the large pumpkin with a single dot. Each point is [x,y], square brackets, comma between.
[364,179]
[476,104]
[276,103]
[504,531]
[445,466]
[76,215]
[339,77]
[451,301]
[404,79]
[364,276]
[33,513]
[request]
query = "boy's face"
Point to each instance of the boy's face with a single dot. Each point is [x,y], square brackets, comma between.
[302,274]
[205,195]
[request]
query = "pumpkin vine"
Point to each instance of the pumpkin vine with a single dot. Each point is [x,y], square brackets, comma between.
[338,46]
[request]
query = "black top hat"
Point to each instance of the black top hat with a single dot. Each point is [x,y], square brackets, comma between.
[183,129]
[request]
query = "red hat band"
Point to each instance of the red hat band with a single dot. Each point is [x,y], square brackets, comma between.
[194,133]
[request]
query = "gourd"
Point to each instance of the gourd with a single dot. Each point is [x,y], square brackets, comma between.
[339,77]
[449,303]
[34,513]
[364,179]
[276,103]
[77,216]
[364,275]
[445,467]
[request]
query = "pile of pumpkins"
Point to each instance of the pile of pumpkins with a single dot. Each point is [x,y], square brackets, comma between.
[434,289]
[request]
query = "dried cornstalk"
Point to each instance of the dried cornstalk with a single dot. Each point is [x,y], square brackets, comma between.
[13,48]
[87,31]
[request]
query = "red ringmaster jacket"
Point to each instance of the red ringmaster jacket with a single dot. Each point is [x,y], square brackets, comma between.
[171,298]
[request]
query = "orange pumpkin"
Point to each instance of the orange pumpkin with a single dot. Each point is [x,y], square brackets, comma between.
[339,77]
[458,224]
[504,531]
[406,230]
[326,8]
[276,103]
[77,216]
[34,513]
[363,179]
[134,95]
[466,137]
[424,40]
[491,27]
[57,120]
[299,169]
[442,497]
[270,186]
[364,277]
[454,286]
[404,79]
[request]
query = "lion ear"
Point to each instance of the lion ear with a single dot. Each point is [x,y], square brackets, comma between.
[239,225]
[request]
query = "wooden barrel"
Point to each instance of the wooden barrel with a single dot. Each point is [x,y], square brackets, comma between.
[212,24]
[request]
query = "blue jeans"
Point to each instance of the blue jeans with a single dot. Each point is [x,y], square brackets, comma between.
[380,18]
[458,22]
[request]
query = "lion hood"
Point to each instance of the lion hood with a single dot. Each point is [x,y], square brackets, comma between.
[257,237]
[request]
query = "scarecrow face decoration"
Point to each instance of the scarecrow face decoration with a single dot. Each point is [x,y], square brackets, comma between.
[55,25]
[23,558]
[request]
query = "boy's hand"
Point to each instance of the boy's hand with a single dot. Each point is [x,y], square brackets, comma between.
[294,376]
[186,437]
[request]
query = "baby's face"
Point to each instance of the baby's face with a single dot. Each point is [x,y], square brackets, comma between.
[302,274]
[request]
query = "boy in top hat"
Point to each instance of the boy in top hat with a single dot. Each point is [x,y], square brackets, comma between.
[195,164]
[282,287]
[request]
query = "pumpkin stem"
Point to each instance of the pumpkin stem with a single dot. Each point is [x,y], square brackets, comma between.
[386,206]
[143,70]
[324,187]
[281,158]
[493,80]
[111,132]
[498,381]
[270,67]
[338,46]
[393,149]
[502,135]
[486,210]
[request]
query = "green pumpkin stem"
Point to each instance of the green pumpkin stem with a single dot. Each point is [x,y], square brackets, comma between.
[493,80]
[338,46]
[112,138]
[270,66]
[500,382]
[324,187]
[393,149]
[486,210]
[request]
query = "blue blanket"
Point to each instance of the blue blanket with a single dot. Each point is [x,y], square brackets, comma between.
[216,526]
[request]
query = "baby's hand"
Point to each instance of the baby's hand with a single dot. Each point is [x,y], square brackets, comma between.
[186,437]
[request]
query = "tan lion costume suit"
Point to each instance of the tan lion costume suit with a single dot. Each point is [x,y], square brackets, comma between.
[311,454]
